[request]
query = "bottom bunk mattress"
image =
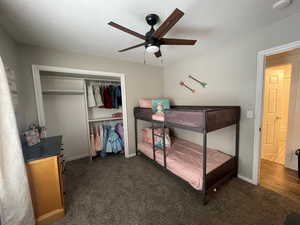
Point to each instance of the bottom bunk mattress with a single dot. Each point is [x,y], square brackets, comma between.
[184,159]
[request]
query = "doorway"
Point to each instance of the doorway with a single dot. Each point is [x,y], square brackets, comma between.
[279,133]
[261,65]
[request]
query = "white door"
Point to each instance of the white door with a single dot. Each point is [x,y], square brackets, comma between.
[275,118]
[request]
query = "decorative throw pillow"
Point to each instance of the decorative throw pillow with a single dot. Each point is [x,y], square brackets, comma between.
[160,105]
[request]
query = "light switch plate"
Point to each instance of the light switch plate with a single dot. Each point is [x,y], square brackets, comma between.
[249,114]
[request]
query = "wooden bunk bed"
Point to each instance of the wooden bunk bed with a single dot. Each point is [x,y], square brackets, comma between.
[202,119]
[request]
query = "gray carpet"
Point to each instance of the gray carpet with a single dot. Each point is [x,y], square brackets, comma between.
[118,191]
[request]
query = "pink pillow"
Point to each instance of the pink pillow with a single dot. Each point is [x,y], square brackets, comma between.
[145,103]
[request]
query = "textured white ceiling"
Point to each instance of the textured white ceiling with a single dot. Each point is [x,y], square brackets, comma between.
[81,25]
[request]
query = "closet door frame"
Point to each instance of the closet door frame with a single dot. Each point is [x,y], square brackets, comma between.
[84,74]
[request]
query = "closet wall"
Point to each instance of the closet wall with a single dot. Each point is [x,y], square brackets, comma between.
[142,81]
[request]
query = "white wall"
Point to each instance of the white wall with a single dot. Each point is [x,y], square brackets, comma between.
[9,53]
[230,72]
[142,81]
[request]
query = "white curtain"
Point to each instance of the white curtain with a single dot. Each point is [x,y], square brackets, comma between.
[15,200]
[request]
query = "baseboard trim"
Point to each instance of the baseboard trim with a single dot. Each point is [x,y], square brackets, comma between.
[50,217]
[130,155]
[76,157]
[248,180]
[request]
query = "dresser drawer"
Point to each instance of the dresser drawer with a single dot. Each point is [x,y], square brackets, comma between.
[46,185]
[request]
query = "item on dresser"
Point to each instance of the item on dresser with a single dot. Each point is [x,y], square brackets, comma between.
[42,132]
[34,134]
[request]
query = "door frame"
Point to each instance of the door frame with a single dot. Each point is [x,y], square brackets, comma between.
[36,69]
[261,62]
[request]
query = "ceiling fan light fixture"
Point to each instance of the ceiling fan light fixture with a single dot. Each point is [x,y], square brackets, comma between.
[281,4]
[154,38]
[152,49]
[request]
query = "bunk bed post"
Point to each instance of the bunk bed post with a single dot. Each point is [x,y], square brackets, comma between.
[153,140]
[164,145]
[136,137]
[204,200]
[237,147]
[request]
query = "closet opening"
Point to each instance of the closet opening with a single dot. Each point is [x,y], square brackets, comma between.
[88,108]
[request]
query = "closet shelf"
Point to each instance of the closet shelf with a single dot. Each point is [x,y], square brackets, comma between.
[105,119]
[63,92]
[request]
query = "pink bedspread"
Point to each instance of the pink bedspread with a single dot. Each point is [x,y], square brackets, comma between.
[184,159]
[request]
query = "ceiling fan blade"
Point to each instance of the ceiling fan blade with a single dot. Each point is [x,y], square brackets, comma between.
[173,41]
[115,25]
[135,46]
[158,54]
[168,23]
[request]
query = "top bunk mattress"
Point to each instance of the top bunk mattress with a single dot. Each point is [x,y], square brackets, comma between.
[196,118]
[184,159]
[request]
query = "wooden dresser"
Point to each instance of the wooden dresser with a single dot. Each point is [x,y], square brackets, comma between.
[44,165]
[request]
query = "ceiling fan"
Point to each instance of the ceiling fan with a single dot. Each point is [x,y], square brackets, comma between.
[153,39]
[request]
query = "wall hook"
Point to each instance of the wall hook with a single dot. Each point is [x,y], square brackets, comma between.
[200,82]
[184,84]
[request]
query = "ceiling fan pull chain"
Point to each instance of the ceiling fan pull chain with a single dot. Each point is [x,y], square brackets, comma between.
[145,57]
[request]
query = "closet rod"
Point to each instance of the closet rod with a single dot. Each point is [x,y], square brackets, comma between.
[117,81]
[77,78]
[105,119]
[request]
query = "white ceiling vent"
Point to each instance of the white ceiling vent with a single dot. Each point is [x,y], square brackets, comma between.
[281,4]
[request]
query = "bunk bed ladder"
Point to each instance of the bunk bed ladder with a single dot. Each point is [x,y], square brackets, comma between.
[163,140]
